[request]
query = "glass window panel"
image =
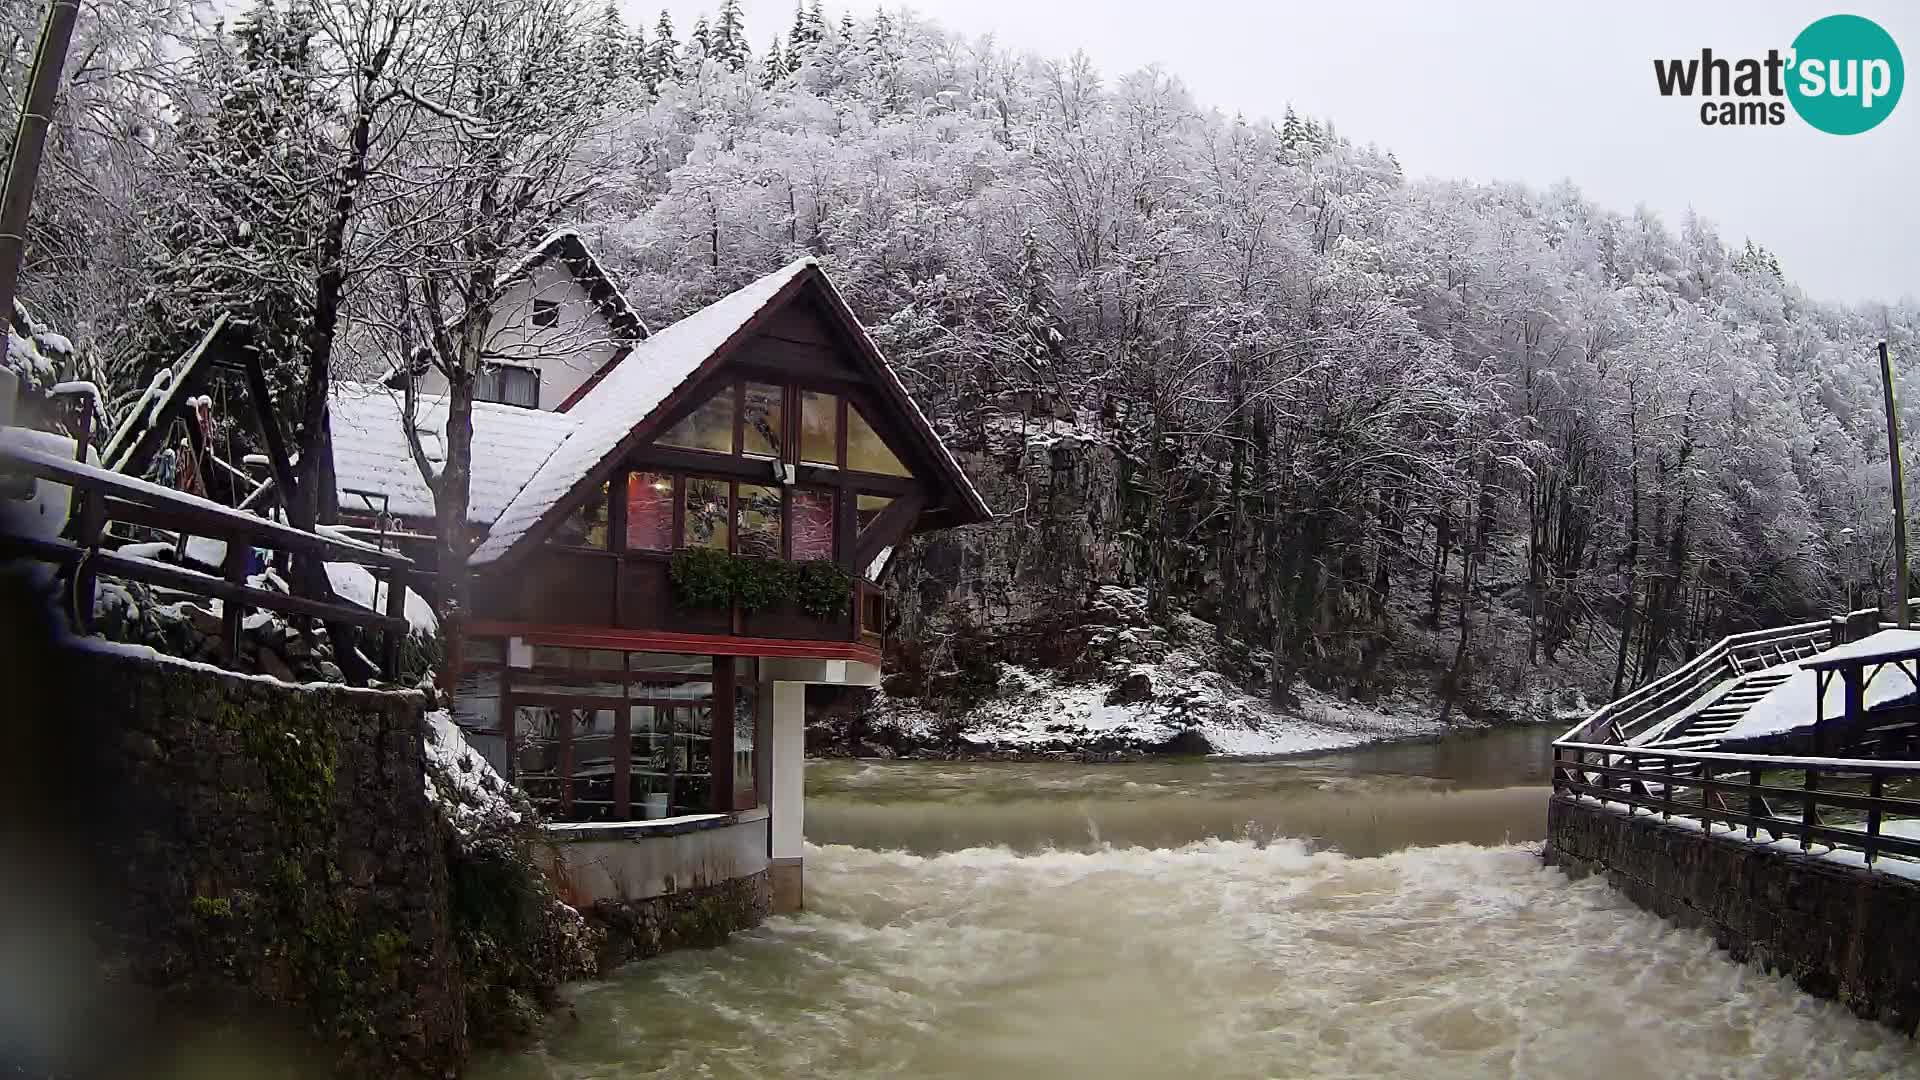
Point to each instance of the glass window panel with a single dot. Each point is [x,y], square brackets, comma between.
[819,428]
[649,511]
[765,411]
[558,656]
[706,513]
[866,451]
[679,663]
[693,759]
[582,684]
[746,694]
[586,526]
[813,524]
[476,698]
[710,427]
[484,650]
[652,757]
[759,520]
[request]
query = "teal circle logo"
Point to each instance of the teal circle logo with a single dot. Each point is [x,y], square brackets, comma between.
[1846,75]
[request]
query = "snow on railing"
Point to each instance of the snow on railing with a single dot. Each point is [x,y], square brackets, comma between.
[1848,806]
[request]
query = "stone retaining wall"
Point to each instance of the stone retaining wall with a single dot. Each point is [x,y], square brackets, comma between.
[273,845]
[1840,932]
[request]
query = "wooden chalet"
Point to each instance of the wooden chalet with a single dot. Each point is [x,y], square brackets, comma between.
[764,432]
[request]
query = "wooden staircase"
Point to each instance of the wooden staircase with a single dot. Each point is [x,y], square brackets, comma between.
[1701,729]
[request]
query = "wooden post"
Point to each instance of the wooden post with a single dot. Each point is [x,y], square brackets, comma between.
[1899,490]
[720,743]
[396,609]
[1809,817]
[623,762]
[1877,791]
[1753,803]
[231,611]
[30,141]
[566,721]
[1706,797]
[92,522]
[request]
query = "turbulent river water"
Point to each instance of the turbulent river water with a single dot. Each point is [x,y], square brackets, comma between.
[1381,912]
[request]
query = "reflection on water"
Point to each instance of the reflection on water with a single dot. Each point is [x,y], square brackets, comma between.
[1483,788]
[1065,921]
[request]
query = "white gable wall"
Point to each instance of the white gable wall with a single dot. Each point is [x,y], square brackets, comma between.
[566,354]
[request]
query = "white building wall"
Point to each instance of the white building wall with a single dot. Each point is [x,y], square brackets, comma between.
[578,344]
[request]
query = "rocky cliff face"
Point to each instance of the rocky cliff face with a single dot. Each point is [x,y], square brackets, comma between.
[1039,625]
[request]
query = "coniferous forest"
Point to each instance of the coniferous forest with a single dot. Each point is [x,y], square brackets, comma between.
[1326,422]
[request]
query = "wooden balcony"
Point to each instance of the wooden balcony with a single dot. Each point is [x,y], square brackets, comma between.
[578,588]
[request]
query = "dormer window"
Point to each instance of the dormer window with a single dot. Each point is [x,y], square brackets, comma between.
[546,313]
[508,384]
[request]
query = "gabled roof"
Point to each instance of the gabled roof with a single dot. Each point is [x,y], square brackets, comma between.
[572,252]
[370,450]
[620,410]
[566,246]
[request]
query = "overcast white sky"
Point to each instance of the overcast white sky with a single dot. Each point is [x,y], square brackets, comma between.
[1535,92]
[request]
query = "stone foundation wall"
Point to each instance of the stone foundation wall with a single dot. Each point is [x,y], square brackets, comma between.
[1840,932]
[270,858]
[698,917]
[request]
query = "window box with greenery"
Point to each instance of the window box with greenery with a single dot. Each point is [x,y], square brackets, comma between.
[706,577]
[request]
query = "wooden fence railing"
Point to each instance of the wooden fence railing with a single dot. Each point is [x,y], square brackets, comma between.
[1868,807]
[102,495]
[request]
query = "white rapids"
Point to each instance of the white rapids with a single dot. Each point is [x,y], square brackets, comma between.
[1215,959]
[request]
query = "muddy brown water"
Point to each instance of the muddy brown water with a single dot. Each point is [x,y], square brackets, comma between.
[1374,913]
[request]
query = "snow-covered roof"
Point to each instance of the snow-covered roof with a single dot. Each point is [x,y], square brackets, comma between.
[1879,647]
[630,389]
[1791,705]
[370,450]
[625,396]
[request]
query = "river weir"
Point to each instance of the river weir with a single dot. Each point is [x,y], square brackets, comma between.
[1381,912]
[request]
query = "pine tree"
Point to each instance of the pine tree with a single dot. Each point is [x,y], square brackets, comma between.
[774,67]
[700,42]
[663,55]
[638,59]
[239,235]
[610,47]
[797,36]
[880,33]
[728,43]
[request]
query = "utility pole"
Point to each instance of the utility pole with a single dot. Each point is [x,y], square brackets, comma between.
[29,142]
[1899,489]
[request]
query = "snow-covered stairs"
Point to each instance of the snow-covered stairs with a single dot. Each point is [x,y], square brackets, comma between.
[1704,728]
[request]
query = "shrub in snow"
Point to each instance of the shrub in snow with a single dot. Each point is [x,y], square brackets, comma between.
[518,941]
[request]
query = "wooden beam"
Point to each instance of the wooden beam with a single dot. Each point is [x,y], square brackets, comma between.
[606,637]
[142,443]
[888,528]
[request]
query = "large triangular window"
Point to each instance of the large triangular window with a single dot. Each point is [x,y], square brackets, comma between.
[709,427]
[866,451]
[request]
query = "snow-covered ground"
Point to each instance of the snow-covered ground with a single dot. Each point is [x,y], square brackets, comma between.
[1037,711]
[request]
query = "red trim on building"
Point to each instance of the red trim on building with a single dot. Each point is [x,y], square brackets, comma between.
[599,637]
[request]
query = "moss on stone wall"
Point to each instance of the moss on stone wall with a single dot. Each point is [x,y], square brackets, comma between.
[689,918]
[278,850]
